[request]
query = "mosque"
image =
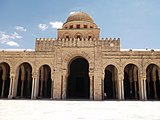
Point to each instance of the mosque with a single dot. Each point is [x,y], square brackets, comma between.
[80,65]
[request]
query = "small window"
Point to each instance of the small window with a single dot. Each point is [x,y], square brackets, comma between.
[67,37]
[89,37]
[71,26]
[66,27]
[85,26]
[91,26]
[78,26]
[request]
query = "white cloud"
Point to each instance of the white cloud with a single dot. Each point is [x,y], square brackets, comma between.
[56,24]
[12,43]
[43,27]
[72,12]
[8,38]
[4,37]
[20,28]
[15,35]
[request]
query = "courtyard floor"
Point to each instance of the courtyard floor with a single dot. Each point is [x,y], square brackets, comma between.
[79,110]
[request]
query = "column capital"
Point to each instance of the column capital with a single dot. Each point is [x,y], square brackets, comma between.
[34,75]
[12,76]
[143,77]
[120,77]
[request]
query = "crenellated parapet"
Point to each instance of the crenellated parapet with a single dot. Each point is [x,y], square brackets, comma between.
[48,44]
[110,44]
[44,44]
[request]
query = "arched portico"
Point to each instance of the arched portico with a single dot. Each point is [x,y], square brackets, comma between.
[4,79]
[78,82]
[44,82]
[110,82]
[131,84]
[153,82]
[24,76]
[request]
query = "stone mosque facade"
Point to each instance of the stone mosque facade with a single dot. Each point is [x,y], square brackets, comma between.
[80,65]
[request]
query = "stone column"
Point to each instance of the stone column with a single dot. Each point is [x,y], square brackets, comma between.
[120,85]
[141,90]
[3,87]
[36,85]
[15,85]
[119,90]
[102,85]
[10,87]
[122,88]
[33,89]
[91,86]
[52,83]
[52,86]
[64,85]
[144,89]
[143,86]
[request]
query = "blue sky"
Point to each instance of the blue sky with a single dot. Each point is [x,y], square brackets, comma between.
[135,22]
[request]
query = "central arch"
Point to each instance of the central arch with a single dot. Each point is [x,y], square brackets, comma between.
[78,83]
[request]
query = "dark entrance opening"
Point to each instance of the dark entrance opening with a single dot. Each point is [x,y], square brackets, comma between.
[45,82]
[110,80]
[131,86]
[4,80]
[78,84]
[153,82]
[24,89]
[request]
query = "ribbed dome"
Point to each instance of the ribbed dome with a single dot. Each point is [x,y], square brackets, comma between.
[79,16]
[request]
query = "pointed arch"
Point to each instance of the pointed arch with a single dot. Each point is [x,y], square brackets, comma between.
[44,82]
[153,81]
[110,82]
[131,82]
[24,80]
[78,82]
[4,79]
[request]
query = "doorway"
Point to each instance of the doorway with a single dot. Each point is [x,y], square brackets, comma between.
[78,83]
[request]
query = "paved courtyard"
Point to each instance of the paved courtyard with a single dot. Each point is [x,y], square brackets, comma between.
[79,110]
